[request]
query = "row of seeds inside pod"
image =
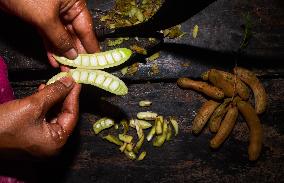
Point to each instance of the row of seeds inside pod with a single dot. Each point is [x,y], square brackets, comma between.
[98,60]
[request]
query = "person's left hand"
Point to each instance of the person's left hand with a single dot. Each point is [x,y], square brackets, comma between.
[33,125]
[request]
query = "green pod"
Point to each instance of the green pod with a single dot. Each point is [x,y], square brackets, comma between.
[99,79]
[57,77]
[102,124]
[99,60]
[96,78]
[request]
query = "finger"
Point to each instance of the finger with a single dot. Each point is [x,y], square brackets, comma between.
[41,87]
[59,38]
[54,93]
[70,111]
[83,26]
[64,68]
[52,60]
[77,42]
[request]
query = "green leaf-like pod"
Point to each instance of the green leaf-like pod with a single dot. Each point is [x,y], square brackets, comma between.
[99,60]
[97,78]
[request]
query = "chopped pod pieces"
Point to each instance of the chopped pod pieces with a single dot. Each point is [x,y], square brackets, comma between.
[169,133]
[145,103]
[141,156]
[123,147]
[124,125]
[102,124]
[130,154]
[125,138]
[195,31]
[129,147]
[113,139]
[160,139]
[147,115]
[139,144]
[151,133]
[159,124]
[99,60]
[143,124]
[175,125]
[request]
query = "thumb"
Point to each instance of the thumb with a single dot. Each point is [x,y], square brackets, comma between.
[58,39]
[54,93]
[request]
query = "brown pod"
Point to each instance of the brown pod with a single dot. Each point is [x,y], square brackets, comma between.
[260,95]
[203,115]
[241,88]
[256,132]
[226,127]
[202,87]
[217,116]
[219,81]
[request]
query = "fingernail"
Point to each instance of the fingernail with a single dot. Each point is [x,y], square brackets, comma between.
[67,81]
[71,54]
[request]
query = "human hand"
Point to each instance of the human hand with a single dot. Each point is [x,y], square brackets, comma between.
[65,25]
[28,124]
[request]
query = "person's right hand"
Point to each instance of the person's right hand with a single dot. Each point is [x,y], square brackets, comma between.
[33,125]
[65,25]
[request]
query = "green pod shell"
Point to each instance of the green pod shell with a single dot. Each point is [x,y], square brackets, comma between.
[141,156]
[160,139]
[57,77]
[143,124]
[99,79]
[99,60]
[102,124]
[139,144]
[113,139]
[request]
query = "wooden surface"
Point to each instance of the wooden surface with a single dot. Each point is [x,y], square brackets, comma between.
[87,158]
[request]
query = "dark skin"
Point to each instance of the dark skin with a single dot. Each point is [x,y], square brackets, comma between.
[66,28]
